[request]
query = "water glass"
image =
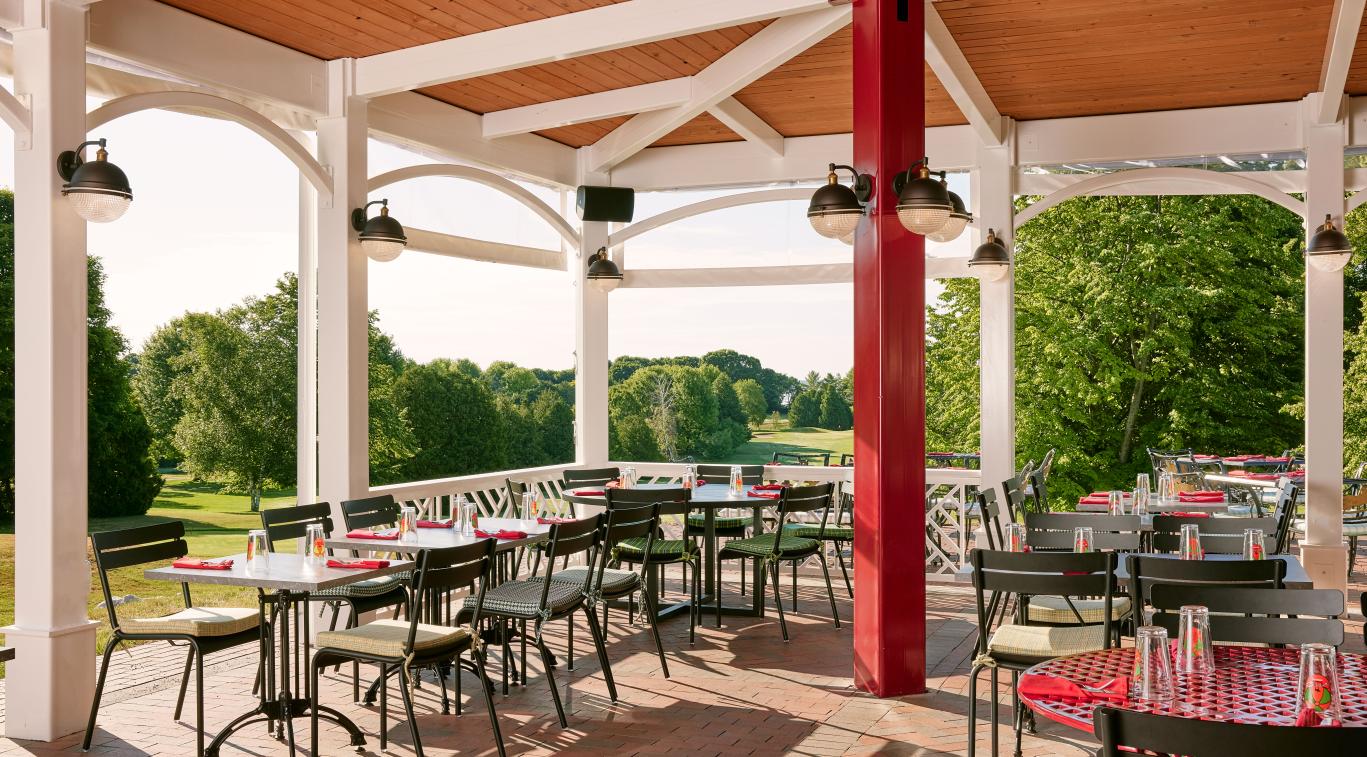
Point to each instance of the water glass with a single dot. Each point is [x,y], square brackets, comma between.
[1194,653]
[1166,488]
[737,480]
[690,477]
[1253,544]
[469,517]
[1141,499]
[529,505]
[258,547]
[1151,679]
[408,522]
[315,547]
[1319,686]
[1191,543]
[1082,539]
[628,478]
[1143,483]
[1115,501]
[1014,537]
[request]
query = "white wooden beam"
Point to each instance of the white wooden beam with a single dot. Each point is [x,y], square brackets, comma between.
[1338,57]
[610,27]
[626,101]
[1283,181]
[748,61]
[452,246]
[744,122]
[959,80]
[740,276]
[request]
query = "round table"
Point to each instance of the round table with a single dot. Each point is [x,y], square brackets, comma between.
[1251,685]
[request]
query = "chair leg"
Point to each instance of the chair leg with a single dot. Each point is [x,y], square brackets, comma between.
[456,671]
[441,680]
[405,674]
[99,689]
[313,708]
[384,707]
[696,616]
[487,687]
[840,555]
[830,592]
[569,645]
[717,590]
[602,649]
[973,710]
[795,586]
[199,703]
[778,598]
[184,682]
[993,712]
[550,676]
[655,631]
[1017,719]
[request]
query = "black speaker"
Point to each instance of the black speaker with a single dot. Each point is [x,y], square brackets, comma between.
[605,203]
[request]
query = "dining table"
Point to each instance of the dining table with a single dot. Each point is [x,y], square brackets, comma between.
[282,580]
[1256,685]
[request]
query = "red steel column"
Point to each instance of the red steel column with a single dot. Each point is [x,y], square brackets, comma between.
[889,356]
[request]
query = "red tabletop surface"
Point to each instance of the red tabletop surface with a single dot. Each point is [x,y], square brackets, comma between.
[1250,685]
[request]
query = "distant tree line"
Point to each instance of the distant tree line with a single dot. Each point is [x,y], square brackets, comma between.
[824,402]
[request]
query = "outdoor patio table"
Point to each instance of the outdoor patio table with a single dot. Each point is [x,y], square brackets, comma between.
[1296,577]
[1162,507]
[1251,685]
[709,499]
[440,538]
[284,579]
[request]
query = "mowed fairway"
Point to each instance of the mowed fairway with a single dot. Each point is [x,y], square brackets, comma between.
[764,443]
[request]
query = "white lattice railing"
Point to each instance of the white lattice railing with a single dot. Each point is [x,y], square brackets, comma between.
[949,497]
[487,490]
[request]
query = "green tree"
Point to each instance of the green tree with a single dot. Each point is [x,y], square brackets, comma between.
[751,397]
[521,432]
[455,420]
[152,385]
[555,421]
[506,379]
[835,413]
[805,411]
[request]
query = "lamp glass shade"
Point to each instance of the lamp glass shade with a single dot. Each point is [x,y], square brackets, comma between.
[605,285]
[383,238]
[834,210]
[382,250]
[924,204]
[603,274]
[848,239]
[835,224]
[97,207]
[98,191]
[990,261]
[922,220]
[951,229]
[1329,249]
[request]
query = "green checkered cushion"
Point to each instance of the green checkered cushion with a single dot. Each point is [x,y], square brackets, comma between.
[760,546]
[727,523]
[614,581]
[371,587]
[522,599]
[662,549]
[1349,528]
[813,531]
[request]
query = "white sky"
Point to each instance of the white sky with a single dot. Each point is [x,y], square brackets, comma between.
[183,246]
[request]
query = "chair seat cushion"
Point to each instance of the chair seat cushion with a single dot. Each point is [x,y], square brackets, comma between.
[720,523]
[522,599]
[614,581]
[197,621]
[762,545]
[1349,528]
[371,587]
[1053,609]
[1045,642]
[813,531]
[386,638]
[662,549]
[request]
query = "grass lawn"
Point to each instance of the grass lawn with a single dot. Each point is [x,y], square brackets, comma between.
[768,440]
[216,524]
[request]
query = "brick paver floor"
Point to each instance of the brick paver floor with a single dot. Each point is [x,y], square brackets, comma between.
[738,690]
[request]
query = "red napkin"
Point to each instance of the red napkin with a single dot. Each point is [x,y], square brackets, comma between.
[503,534]
[1264,476]
[436,524]
[1241,458]
[358,564]
[1093,501]
[616,483]
[1311,719]
[552,521]
[1275,460]
[1205,457]
[1107,495]
[1053,687]
[588,492]
[768,487]
[390,535]
[700,482]
[1183,514]
[764,494]
[195,564]
[1201,496]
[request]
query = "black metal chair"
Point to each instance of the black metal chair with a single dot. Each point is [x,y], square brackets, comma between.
[370,512]
[1039,489]
[410,645]
[839,533]
[575,478]
[1054,531]
[1018,645]
[1165,461]
[778,547]
[655,551]
[1219,536]
[1146,572]
[733,525]
[204,630]
[1255,616]
[1015,499]
[1125,731]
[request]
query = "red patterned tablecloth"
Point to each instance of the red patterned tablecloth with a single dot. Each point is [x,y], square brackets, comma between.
[1250,685]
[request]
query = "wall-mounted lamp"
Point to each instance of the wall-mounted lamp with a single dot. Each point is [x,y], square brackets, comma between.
[991,261]
[923,204]
[959,217]
[381,236]
[98,190]
[1329,249]
[603,274]
[835,209]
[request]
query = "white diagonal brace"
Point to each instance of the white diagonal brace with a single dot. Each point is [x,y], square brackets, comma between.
[957,77]
[744,122]
[454,246]
[1338,56]
[748,61]
[610,27]
[627,101]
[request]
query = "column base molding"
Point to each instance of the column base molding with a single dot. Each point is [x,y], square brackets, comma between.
[1327,565]
[50,681]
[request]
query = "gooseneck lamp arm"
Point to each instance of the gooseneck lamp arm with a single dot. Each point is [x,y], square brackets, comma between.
[69,160]
[358,216]
[863,183]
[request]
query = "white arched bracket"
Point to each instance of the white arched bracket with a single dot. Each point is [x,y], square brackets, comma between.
[14,110]
[1357,199]
[708,206]
[1239,184]
[183,100]
[488,179]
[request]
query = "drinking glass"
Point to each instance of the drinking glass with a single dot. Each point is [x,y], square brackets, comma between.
[737,480]
[1166,488]
[1141,499]
[408,522]
[628,478]
[1082,539]
[529,505]
[1319,686]
[1115,501]
[469,517]
[315,547]
[1194,653]
[1143,483]
[258,547]
[690,477]
[1152,676]
[1191,543]
[1014,537]
[1253,544]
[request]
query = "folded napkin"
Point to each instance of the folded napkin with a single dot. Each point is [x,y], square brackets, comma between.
[588,493]
[1201,497]
[194,564]
[1241,458]
[764,494]
[504,534]
[700,482]
[1053,687]
[552,521]
[1184,514]
[1107,495]
[1275,460]
[1204,458]
[768,487]
[436,524]
[616,483]
[1264,476]
[1093,501]
[358,564]
[388,535]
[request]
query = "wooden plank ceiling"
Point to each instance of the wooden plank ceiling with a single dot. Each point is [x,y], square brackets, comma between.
[1035,58]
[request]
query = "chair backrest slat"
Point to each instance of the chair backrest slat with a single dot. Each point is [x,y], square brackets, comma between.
[136,546]
[1065,574]
[369,512]
[721,474]
[284,523]
[672,501]
[991,513]
[437,571]
[1257,616]
[575,477]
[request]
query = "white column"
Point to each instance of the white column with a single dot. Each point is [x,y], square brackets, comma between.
[590,342]
[1322,549]
[992,189]
[306,444]
[343,353]
[50,683]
